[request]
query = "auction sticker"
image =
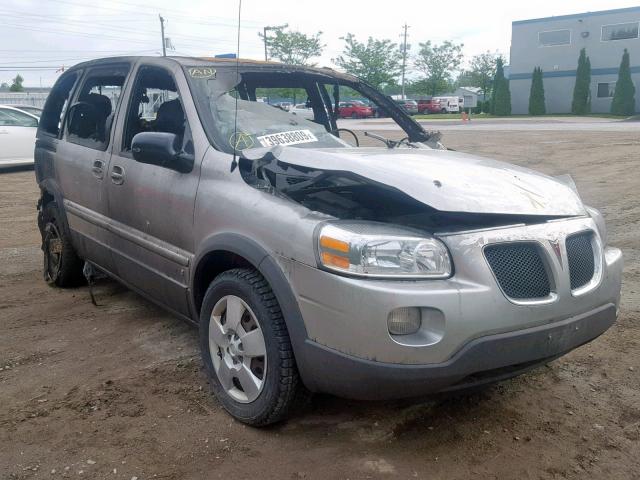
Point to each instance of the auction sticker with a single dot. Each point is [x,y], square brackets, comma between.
[292,137]
[202,72]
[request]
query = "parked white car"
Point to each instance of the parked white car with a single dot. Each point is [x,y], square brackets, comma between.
[17,137]
[302,110]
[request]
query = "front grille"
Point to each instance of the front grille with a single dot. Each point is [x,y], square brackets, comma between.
[580,258]
[519,270]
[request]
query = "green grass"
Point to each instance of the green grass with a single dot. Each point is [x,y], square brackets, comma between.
[482,116]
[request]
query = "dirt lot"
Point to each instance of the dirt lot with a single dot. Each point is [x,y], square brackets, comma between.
[117,391]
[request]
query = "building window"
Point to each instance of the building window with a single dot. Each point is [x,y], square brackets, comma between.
[554,38]
[606,90]
[621,31]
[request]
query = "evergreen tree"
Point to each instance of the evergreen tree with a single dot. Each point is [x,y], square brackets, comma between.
[624,102]
[16,86]
[536,97]
[499,73]
[581,103]
[501,95]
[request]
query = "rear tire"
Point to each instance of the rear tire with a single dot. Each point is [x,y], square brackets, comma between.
[62,266]
[256,382]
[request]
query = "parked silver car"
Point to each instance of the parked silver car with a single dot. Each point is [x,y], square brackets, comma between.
[310,264]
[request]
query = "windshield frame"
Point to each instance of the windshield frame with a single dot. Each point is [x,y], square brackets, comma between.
[414,131]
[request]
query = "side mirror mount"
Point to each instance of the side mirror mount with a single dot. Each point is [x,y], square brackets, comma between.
[161,149]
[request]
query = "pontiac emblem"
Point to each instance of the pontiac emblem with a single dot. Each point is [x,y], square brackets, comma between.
[555,245]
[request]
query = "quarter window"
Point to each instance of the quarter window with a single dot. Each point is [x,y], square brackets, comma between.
[606,90]
[621,31]
[554,38]
[57,103]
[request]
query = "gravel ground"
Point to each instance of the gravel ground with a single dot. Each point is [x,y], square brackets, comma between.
[117,391]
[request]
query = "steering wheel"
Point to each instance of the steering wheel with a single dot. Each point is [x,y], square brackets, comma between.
[338,130]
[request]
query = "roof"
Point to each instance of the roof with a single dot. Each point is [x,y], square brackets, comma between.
[474,90]
[579,15]
[242,63]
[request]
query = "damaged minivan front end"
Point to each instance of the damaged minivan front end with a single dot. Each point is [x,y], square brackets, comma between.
[415,269]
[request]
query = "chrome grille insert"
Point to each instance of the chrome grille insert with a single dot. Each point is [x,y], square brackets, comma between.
[581,259]
[519,270]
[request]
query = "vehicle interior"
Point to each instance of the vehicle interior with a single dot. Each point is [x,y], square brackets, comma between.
[155,106]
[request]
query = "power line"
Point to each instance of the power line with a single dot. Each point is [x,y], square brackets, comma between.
[116,29]
[174,12]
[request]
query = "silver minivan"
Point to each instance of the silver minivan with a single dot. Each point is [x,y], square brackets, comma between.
[309,262]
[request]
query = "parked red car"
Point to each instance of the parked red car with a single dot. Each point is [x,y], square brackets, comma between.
[354,109]
[429,106]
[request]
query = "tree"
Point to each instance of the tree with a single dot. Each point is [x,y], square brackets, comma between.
[481,72]
[377,62]
[16,86]
[4,86]
[294,48]
[500,94]
[437,63]
[536,97]
[581,103]
[624,102]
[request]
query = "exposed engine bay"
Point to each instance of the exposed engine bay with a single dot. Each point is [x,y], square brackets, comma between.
[348,196]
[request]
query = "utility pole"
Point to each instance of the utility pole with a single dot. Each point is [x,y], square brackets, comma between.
[266,59]
[404,57]
[264,37]
[164,47]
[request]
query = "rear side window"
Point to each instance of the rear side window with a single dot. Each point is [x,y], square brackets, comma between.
[57,103]
[91,116]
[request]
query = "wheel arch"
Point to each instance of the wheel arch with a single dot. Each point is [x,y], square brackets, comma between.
[224,251]
[50,192]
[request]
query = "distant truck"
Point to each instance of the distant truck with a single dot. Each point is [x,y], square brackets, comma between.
[449,104]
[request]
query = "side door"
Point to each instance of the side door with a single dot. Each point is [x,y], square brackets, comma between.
[151,207]
[17,137]
[82,159]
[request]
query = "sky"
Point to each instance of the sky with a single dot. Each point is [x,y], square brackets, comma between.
[38,37]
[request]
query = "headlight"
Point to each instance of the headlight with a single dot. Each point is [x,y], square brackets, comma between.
[600,223]
[377,250]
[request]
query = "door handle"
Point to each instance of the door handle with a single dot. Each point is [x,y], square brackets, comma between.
[97,169]
[117,175]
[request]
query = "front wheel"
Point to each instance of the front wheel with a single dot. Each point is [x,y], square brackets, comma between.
[246,348]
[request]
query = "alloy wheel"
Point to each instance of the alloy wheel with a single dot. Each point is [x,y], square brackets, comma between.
[237,348]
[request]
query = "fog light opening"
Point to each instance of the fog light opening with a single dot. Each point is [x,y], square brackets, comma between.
[404,321]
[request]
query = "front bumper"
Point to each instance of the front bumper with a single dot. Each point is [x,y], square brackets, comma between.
[483,360]
[346,318]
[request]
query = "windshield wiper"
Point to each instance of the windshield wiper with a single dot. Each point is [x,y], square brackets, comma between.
[388,142]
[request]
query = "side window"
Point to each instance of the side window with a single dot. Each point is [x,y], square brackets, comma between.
[155,106]
[57,103]
[13,118]
[91,116]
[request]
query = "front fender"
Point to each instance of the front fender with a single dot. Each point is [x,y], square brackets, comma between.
[265,263]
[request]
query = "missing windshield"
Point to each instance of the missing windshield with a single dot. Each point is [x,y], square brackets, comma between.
[287,106]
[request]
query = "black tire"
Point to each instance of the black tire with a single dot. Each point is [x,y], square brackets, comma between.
[62,266]
[282,387]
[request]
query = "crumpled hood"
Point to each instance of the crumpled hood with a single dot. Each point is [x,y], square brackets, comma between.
[445,180]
